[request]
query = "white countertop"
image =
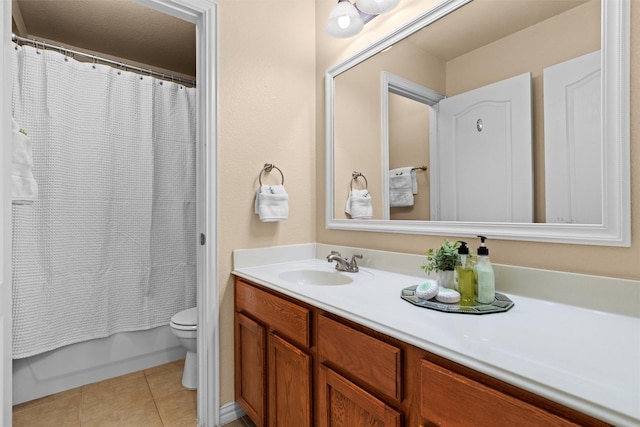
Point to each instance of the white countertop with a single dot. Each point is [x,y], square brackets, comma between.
[585,359]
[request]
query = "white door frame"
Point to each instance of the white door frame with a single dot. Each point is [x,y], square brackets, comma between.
[392,83]
[5,215]
[203,13]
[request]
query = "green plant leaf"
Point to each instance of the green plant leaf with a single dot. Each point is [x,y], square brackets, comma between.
[444,258]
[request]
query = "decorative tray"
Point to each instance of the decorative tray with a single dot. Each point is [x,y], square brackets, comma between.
[500,303]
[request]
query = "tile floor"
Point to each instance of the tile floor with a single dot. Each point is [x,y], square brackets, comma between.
[152,397]
[149,398]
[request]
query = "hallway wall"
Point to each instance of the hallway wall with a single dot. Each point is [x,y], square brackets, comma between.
[267,112]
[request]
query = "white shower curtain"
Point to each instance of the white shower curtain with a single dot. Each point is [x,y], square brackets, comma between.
[110,244]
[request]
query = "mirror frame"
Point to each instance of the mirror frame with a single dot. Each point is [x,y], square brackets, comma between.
[616,199]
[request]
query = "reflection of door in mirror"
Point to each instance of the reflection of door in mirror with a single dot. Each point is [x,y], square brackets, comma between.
[482,159]
[572,140]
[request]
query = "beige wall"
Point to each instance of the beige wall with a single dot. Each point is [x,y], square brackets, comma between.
[266,115]
[598,260]
[409,146]
[356,125]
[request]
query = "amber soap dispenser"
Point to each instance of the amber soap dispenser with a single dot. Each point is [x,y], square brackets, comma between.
[466,276]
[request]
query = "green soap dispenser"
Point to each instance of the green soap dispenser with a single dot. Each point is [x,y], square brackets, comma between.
[466,276]
[484,272]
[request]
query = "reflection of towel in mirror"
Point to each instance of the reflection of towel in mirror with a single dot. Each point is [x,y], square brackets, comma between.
[24,189]
[402,186]
[272,203]
[359,204]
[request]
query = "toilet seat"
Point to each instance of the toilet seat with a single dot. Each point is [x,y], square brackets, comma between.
[185,320]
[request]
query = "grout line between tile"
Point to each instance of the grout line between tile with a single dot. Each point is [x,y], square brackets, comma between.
[155,404]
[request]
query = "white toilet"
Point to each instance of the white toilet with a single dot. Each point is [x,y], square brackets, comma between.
[185,326]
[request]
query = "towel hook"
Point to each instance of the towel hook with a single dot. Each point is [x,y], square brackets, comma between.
[268,167]
[354,176]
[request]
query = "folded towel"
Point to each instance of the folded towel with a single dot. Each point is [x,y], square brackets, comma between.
[272,203]
[359,204]
[24,189]
[402,186]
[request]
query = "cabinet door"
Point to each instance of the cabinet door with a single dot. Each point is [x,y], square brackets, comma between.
[344,404]
[289,378]
[250,373]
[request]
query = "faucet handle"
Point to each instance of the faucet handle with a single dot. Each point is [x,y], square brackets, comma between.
[353,265]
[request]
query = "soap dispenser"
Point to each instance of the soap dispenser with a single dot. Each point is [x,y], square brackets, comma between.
[484,272]
[466,276]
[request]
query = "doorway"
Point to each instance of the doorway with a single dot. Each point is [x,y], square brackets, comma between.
[203,14]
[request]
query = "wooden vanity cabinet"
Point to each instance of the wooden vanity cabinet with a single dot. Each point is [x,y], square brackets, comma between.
[296,365]
[273,365]
[374,364]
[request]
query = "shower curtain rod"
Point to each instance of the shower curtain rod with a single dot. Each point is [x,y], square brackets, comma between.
[95,58]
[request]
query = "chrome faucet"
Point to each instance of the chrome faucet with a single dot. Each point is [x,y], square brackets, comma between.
[342,264]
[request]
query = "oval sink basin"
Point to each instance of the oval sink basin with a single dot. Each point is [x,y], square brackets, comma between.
[316,277]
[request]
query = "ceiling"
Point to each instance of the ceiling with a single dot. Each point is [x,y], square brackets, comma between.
[484,21]
[123,30]
[115,29]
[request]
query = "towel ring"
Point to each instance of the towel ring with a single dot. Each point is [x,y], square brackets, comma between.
[354,176]
[268,167]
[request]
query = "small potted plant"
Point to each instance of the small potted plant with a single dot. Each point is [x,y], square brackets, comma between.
[443,261]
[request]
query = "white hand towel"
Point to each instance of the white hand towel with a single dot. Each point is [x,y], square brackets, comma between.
[402,186]
[359,204]
[272,203]
[24,189]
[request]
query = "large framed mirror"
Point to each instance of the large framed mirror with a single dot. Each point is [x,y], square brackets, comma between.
[508,119]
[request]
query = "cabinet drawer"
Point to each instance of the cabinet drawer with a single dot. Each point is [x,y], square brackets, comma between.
[283,316]
[365,358]
[448,398]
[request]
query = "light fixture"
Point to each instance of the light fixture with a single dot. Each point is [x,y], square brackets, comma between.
[347,19]
[344,20]
[376,7]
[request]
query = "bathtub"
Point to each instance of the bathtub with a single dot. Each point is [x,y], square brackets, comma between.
[91,361]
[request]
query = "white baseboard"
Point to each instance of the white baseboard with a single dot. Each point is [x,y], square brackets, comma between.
[230,412]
